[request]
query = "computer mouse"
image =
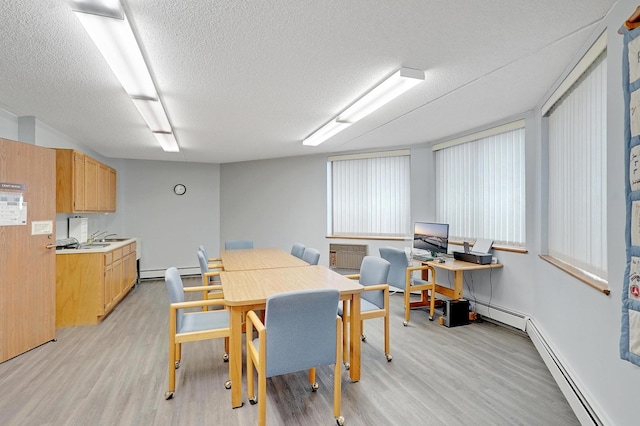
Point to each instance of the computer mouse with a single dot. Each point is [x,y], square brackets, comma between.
[440,260]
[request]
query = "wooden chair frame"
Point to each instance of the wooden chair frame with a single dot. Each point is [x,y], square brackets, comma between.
[176,339]
[378,313]
[256,357]
[425,300]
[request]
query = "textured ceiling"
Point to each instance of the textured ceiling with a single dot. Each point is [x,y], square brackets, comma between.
[244,80]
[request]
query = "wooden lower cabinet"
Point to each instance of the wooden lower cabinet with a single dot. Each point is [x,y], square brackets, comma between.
[90,285]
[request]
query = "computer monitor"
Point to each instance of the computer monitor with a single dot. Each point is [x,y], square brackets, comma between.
[431,236]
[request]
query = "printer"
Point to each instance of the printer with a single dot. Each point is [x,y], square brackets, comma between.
[478,255]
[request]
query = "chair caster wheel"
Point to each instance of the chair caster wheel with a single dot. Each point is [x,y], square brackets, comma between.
[340,421]
[430,318]
[363,337]
[389,357]
[168,395]
[177,364]
[405,323]
[227,384]
[225,357]
[347,366]
[253,401]
[314,386]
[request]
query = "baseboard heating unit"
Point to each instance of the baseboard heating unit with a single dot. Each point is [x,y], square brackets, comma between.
[346,256]
[581,407]
[501,314]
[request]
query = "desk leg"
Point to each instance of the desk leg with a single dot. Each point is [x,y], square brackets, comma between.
[458,284]
[354,338]
[235,356]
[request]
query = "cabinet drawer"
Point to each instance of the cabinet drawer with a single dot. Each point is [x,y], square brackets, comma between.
[117,254]
[126,250]
[108,258]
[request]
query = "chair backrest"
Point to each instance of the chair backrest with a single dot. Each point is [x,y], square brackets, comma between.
[175,288]
[311,256]
[298,250]
[204,265]
[238,244]
[301,330]
[373,271]
[398,259]
[204,251]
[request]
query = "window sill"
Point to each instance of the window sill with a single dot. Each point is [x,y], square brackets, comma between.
[601,286]
[495,247]
[371,237]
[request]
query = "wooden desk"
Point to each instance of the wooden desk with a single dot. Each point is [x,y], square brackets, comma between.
[260,258]
[458,267]
[248,290]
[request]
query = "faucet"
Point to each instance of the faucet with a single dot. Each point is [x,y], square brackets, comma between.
[107,236]
[95,236]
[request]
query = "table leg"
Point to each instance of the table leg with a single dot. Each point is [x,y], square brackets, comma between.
[458,284]
[354,338]
[235,356]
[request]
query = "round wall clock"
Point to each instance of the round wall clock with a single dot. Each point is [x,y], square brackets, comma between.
[179,189]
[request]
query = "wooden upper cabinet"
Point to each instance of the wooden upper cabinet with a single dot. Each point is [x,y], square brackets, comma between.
[83,184]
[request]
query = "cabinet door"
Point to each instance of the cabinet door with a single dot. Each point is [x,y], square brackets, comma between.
[108,289]
[103,188]
[91,184]
[117,280]
[77,182]
[130,275]
[112,191]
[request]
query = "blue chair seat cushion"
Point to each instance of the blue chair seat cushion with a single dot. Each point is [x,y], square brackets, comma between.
[365,306]
[200,321]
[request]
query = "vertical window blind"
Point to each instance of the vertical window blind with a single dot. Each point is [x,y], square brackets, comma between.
[370,195]
[480,188]
[577,232]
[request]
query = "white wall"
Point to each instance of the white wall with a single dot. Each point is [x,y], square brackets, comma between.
[171,227]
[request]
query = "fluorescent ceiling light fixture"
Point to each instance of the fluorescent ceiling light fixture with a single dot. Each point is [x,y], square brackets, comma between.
[107,24]
[153,113]
[325,132]
[395,85]
[117,43]
[167,141]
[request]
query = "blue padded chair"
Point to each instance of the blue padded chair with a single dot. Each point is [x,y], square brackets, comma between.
[375,298]
[191,326]
[400,275]
[311,256]
[298,250]
[209,276]
[238,244]
[301,331]
[209,259]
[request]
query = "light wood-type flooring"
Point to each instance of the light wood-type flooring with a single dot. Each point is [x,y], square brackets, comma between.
[115,373]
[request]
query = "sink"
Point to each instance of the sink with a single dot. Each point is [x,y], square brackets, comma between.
[92,246]
[117,239]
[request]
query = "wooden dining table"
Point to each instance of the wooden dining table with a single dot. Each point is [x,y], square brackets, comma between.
[258,258]
[246,290]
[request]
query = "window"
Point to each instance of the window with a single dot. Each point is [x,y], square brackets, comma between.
[480,186]
[369,194]
[577,230]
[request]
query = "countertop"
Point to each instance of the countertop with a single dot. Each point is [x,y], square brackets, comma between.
[112,246]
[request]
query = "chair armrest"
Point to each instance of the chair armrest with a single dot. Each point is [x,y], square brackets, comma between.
[215,266]
[203,288]
[353,276]
[196,304]
[212,274]
[254,321]
[420,268]
[377,287]
[214,259]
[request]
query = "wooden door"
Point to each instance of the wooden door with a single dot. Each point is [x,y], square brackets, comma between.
[27,250]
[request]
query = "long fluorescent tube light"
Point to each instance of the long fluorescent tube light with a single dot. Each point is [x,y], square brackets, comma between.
[167,141]
[325,132]
[115,40]
[153,113]
[395,85]
[108,27]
